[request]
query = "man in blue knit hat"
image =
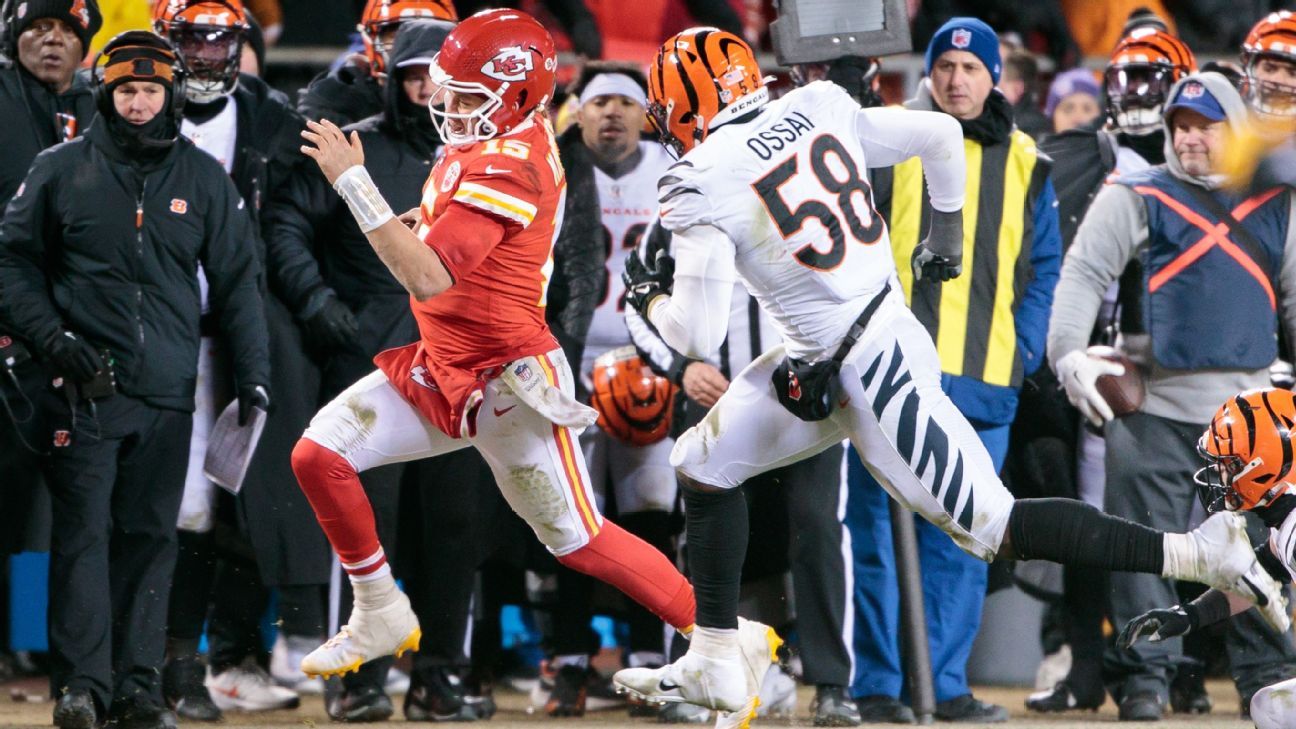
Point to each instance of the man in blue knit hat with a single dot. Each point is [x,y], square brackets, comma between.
[989,327]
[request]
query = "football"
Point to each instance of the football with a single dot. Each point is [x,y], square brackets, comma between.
[1123,393]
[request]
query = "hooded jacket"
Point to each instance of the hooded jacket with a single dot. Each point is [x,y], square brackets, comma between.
[579,253]
[1115,232]
[315,247]
[95,243]
[31,113]
[345,95]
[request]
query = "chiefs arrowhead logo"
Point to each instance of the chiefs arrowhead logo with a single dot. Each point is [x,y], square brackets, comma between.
[510,64]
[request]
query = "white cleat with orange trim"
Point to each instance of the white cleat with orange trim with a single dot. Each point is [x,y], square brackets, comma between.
[369,634]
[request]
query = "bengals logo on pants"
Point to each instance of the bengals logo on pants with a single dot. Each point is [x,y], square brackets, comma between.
[62,438]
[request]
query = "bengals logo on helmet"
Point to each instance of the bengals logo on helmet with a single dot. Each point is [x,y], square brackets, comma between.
[510,64]
[634,403]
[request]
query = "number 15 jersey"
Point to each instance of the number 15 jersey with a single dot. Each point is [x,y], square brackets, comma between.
[790,189]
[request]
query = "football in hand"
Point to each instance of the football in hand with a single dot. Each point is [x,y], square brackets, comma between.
[1123,393]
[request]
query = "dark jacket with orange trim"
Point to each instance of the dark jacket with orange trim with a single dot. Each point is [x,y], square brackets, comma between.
[1115,231]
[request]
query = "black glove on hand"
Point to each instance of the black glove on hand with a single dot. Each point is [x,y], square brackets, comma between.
[251,396]
[1157,625]
[73,357]
[333,326]
[643,284]
[939,257]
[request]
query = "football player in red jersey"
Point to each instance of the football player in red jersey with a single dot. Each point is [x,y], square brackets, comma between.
[486,371]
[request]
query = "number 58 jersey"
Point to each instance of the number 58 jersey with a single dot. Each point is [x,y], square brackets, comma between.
[790,189]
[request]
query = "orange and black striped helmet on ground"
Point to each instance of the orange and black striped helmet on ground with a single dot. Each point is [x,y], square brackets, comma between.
[633,402]
[1272,39]
[1143,67]
[700,79]
[1248,449]
[382,16]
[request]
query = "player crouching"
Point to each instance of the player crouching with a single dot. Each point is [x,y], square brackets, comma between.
[1248,449]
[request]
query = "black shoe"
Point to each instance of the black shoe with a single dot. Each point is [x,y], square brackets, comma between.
[140,714]
[437,694]
[568,695]
[1188,694]
[967,709]
[479,694]
[1061,698]
[1141,706]
[833,706]
[76,710]
[883,710]
[184,691]
[360,705]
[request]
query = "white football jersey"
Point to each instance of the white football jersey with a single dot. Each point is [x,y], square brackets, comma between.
[627,205]
[790,189]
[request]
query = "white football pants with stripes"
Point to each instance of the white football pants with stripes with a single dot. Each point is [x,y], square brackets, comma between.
[892,408]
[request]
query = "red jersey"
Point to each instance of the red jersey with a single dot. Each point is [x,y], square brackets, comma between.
[495,310]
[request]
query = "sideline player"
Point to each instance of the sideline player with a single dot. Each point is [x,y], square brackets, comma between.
[775,193]
[1248,451]
[486,371]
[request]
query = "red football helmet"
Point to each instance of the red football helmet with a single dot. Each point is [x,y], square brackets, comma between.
[380,17]
[505,56]
[208,35]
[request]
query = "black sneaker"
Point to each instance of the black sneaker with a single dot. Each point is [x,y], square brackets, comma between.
[1188,694]
[968,709]
[568,695]
[76,710]
[139,713]
[833,706]
[1061,698]
[1141,706]
[184,691]
[437,694]
[479,693]
[883,710]
[365,704]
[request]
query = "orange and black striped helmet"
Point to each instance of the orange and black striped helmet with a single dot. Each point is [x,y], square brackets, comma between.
[1143,67]
[382,15]
[1248,449]
[1273,38]
[633,402]
[700,79]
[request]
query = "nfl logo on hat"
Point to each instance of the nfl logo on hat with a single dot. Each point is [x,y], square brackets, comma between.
[1193,90]
[962,38]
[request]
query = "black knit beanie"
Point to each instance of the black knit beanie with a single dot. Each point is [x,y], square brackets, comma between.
[82,16]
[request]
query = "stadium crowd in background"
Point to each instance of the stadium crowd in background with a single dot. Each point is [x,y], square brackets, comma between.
[208,254]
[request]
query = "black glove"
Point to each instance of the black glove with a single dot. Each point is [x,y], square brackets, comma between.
[251,396]
[333,325]
[73,357]
[939,257]
[1157,625]
[643,284]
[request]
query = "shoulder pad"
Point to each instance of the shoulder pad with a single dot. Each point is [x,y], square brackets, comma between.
[681,198]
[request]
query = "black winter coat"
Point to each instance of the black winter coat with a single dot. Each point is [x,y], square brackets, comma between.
[343,96]
[30,111]
[269,143]
[580,252]
[108,249]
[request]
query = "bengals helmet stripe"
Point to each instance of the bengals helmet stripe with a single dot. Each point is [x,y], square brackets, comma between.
[378,15]
[1275,34]
[1148,45]
[700,79]
[1274,37]
[635,405]
[1248,448]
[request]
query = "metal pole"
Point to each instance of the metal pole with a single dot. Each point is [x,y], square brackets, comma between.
[913,616]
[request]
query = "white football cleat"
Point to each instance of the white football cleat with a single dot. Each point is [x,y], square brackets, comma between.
[248,688]
[759,645]
[1219,553]
[369,634]
[715,683]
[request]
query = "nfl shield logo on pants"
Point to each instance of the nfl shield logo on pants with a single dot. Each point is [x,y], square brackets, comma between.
[962,38]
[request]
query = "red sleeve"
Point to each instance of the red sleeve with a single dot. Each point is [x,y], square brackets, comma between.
[462,237]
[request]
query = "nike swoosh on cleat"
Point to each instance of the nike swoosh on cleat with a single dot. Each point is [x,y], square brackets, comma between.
[663,686]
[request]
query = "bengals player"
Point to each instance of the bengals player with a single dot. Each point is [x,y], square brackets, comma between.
[1269,62]
[486,372]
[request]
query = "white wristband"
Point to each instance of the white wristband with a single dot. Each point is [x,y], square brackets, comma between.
[355,186]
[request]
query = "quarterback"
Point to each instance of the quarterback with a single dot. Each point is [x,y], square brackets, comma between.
[486,371]
[776,194]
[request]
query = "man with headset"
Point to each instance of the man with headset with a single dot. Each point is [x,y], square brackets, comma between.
[98,250]
[42,103]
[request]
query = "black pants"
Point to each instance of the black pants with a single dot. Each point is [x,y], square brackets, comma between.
[217,584]
[116,484]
